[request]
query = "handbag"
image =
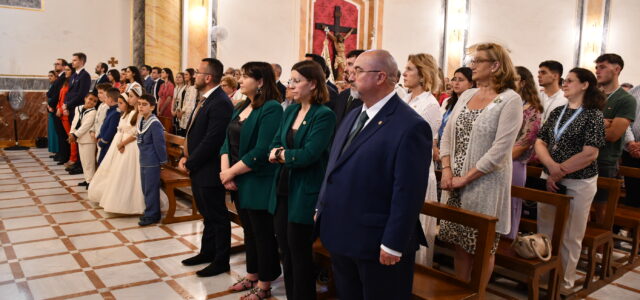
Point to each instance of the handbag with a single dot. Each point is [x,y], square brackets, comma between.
[533,245]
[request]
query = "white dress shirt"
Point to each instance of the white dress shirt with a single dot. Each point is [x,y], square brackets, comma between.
[551,102]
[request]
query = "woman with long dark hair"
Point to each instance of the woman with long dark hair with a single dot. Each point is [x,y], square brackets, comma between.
[114,78]
[133,78]
[567,146]
[165,97]
[523,149]
[301,150]
[461,81]
[247,173]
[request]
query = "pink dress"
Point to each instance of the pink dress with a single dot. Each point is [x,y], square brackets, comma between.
[165,99]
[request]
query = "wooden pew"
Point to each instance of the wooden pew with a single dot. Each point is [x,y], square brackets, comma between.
[429,283]
[533,269]
[171,178]
[629,218]
[597,236]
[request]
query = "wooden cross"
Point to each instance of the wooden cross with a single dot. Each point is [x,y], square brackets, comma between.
[113,62]
[335,27]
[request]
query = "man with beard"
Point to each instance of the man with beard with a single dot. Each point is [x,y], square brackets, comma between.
[206,132]
[348,99]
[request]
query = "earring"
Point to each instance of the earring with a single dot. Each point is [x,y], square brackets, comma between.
[259,91]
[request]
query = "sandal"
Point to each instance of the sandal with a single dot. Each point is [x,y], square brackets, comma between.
[243,284]
[257,293]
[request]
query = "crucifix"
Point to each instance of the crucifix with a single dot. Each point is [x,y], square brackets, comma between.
[337,34]
[113,62]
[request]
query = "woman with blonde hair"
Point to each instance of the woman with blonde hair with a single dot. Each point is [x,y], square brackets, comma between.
[421,78]
[476,152]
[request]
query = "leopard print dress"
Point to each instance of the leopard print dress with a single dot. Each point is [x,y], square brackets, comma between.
[455,233]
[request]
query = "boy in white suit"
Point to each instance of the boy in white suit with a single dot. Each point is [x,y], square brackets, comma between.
[81,125]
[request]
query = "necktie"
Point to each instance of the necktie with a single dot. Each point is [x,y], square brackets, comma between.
[349,101]
[193,117]
[362,119]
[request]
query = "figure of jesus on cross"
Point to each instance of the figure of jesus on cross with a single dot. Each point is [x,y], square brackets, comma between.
[339,59]
[338,35]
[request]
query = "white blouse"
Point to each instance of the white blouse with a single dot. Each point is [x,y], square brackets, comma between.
[428,108]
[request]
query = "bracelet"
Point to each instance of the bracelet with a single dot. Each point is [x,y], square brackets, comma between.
[446,167]
[277,154]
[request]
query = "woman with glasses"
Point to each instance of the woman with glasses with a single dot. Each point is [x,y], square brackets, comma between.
[247,173]
[301,150]
[422,79]
[567,146]
[476,152]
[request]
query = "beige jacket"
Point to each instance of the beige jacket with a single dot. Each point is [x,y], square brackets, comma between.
[490,143]
[87,124]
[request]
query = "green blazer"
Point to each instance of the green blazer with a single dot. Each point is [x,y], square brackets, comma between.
[254,187]
[306,160]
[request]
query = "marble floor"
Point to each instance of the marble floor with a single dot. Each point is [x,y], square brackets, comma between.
[55,244]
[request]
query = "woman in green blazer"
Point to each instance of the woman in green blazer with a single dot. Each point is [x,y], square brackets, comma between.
[249,176]
[301,150]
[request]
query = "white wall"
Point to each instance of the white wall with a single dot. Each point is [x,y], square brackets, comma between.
[622,40]
[411,27]
[32,40]
[534,31]
[265,30]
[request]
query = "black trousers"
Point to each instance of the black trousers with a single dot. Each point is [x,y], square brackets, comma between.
[260,243]
[295,241]
[632,185]
[216,238]
[64,148]
[368,279]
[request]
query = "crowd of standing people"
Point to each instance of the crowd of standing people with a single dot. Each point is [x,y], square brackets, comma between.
[352,165]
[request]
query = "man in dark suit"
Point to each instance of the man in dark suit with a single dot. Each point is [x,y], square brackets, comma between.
[147,81]
[277,69]
[79,85]
[205,135]
[101,71]
[157,82]
[345,101]
[374,187]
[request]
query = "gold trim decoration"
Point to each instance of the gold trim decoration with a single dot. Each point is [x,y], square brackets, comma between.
[25,8]
[24,76]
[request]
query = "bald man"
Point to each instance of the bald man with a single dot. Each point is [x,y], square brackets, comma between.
[374,187]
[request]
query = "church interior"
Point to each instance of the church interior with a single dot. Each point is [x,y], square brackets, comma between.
[56,243]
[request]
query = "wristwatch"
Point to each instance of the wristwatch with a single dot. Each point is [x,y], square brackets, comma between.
[278,153]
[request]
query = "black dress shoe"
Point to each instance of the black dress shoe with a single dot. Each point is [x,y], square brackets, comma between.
[196,260]
[213,270]
[147,222]
[84,183]
[52,156]
[75,171]
[60,163]
[71,167]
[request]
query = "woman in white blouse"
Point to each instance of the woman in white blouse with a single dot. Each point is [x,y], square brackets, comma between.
[421,78]
[179,93]
[189,100]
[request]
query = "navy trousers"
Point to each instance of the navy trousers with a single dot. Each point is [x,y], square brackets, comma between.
[361,279]
[150,177]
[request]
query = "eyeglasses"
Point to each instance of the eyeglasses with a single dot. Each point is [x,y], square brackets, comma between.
[293,82]
[476,61]
[203,73]
[359,70]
